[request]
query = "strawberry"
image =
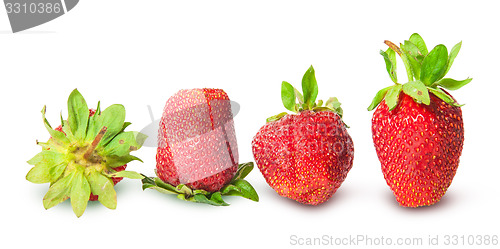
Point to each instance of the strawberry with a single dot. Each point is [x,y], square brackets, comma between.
[83,156]
[197,153]
[304,156]
[417,127]
[116,180]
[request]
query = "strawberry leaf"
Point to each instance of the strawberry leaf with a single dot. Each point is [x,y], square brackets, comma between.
[419,42]
[434,65]
[452,84]
[453,53]
[78,115]
[390,63]
[378,98]
[309,88]
[418,91]
[288,96]
[392,96]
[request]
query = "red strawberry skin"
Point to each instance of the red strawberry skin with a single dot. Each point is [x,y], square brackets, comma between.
[304,157]
[121,168]
[419,148]
[197,141]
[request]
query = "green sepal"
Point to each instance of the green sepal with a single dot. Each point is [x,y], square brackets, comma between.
[59,191]
[413,57]
[59,140]
[288,96]
[427,68]
[309,88]
[453,54]
[334,104]
[407,63]
[434,65]
[113,118]
[243,170]
[214,199]
[276,117]
[103,186]
[418,91]
[443,96]
[419,42]
[78,115]
[127,174]
[390,63]
[124,143]
[378,98]
[241,188]
[117,161]
[392,96]
[237,187]
[299,96]
[451,84]
[80,193]
[49,166]
[91,128]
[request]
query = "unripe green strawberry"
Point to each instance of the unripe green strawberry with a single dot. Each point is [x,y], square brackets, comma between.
[418,127]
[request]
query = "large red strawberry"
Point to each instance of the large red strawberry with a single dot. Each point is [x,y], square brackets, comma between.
[116,180]
[83,156]
[304,156]
[197,150]
[418,127]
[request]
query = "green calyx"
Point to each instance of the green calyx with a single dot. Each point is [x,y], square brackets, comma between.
[425,71]
[296,101]
[237,187]
[81,159]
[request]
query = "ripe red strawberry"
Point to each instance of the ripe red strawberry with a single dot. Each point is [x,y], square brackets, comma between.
[197,141]
[304,156]
[418,127]
[83,155]
[116,180]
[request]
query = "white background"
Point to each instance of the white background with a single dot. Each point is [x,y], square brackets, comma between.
[139,53]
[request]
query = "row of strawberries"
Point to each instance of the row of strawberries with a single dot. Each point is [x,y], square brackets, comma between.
[417,130]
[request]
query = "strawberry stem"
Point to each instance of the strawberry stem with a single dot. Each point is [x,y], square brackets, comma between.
[393,47]
[96,141]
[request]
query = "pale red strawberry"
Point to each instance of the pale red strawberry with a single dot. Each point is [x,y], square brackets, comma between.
[197,141]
